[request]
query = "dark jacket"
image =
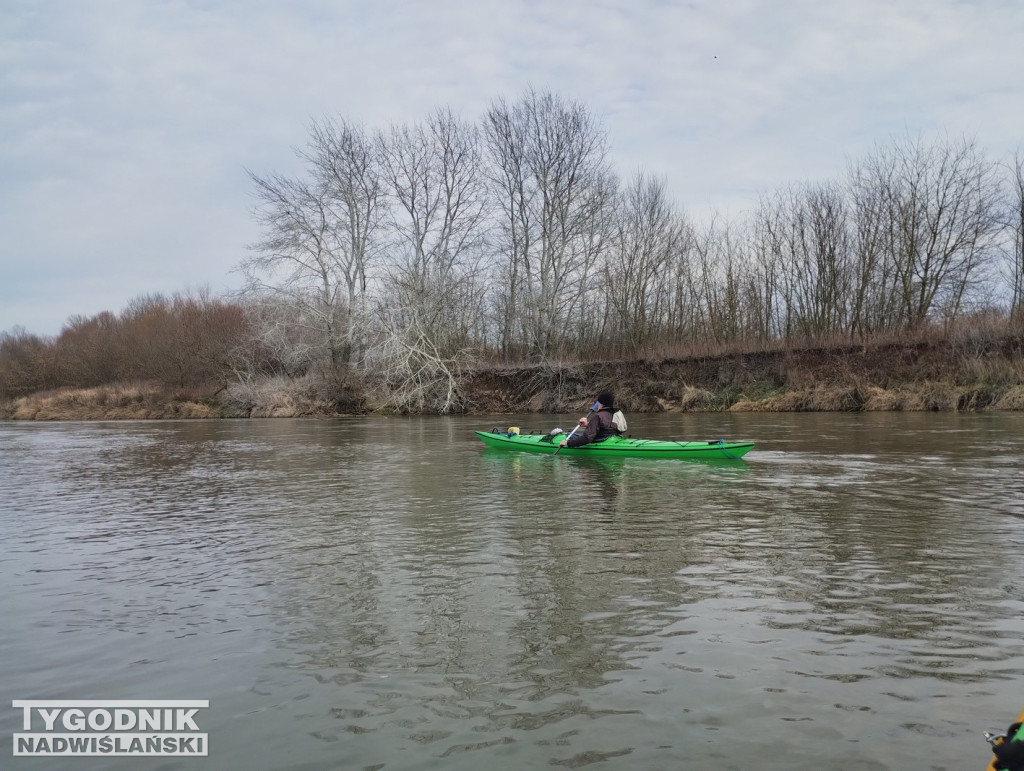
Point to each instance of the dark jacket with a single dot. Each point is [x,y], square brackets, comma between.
[599,427]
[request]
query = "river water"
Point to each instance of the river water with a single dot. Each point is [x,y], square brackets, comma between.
[386,593]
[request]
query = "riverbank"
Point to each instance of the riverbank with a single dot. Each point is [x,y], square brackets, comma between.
[921,376]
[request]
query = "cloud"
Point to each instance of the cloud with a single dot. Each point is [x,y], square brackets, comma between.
[128,127]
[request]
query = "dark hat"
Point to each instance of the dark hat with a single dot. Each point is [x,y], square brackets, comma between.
[607,398]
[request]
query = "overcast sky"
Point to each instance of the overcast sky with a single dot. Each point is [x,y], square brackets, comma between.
[127,126]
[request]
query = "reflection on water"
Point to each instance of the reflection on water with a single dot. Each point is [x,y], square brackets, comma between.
[389,594]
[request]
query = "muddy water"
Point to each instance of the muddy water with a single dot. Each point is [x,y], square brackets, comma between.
[388,594]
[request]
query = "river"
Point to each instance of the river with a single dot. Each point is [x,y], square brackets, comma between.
[386,593]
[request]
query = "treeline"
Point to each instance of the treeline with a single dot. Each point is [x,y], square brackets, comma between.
[408,251]
[399,257]
[187,340]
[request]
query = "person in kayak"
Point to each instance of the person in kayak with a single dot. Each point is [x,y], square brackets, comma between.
[599,426]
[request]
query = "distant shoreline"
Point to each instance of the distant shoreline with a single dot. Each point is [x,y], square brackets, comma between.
[944,376]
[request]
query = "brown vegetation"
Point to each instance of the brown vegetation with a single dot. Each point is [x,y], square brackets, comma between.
[182,341]
[121,401]
[937,375]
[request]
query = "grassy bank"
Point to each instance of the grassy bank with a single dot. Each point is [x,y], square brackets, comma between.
[898,376]
[117,401]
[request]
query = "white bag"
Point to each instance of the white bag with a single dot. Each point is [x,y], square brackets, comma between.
[620,421]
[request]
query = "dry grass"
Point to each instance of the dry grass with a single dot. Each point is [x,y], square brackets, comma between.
[883,400]
[122,401]
[695,399]
[690,400]
[273,398]
[1011,400]
[912,397]
[819,399]
[280,397]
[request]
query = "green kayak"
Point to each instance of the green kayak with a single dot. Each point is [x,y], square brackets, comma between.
[617,446]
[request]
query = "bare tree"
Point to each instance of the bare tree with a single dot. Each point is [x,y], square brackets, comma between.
[648,233]
[803,233]
[514,192]
[294,264]
[720,283]
[684,320]
[766,281]
[553,187]
[27,363]
[874,298]
[318,240]
[438,223]
[1016,228]
[187,339]
[346,163]
[91,351]
[941,221]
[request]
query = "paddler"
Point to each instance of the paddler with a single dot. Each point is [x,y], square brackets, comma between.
[598,426]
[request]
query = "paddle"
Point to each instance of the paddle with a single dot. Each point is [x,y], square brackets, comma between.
[577,427]
[1008,748]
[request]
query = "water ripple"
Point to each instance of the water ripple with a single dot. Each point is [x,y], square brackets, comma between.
[382,593]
